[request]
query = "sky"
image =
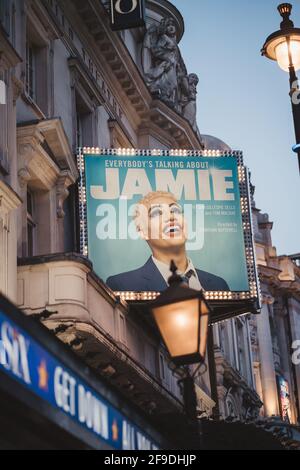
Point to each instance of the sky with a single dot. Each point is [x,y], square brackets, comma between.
[243,99]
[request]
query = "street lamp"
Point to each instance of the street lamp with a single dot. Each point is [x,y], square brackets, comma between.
[182,316]
[284,47]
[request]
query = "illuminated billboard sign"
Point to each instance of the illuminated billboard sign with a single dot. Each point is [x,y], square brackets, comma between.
[141,209]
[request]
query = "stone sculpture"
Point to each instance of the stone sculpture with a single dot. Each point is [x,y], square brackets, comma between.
[165,71]
[188,99]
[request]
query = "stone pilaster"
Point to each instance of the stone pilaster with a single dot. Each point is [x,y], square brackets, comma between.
[268,376]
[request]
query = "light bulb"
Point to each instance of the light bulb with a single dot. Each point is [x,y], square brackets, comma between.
[282,55]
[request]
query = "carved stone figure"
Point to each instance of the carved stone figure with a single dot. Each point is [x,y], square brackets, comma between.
[163,66]
[188,99]
[162,61]
[165,71]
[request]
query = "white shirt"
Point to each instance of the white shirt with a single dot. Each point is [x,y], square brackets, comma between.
[164,270]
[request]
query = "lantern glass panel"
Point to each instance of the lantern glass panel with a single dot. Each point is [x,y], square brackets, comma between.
[179,326]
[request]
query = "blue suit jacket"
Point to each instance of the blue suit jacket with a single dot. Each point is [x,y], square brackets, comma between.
[149,278]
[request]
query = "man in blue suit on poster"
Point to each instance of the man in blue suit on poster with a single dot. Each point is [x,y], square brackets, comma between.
[160,222]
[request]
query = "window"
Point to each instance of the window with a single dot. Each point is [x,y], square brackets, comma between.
[13,25]
[79,136]
[151,359]
[84,123]
[30,71]
[37,70]
[5,15]
[4,168]
[71,235]
[30,224]
[162,367]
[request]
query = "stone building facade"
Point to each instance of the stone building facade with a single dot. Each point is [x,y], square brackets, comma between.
[70,82]
[275,332]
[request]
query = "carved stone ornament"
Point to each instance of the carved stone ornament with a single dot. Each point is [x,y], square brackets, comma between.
[62,193]
[165,71]
[25,155]
[253,336]
[24,176]
[18,88]
[267,299]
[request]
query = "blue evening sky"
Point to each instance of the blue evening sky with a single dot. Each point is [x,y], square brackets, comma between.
[243,99]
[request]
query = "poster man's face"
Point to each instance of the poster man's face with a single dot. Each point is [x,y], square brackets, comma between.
[161,223]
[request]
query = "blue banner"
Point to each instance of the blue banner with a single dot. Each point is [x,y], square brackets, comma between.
[33,367]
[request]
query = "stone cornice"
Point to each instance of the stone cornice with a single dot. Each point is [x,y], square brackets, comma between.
[117,133]
[105,60]
[153,129]
[98,283]
[9,57]
[268,273]
[80,74]
[84,333]
[291,288]
[57,140]
[40,164]
[177,126]
[290,269]
[9,199]
[234,379]
[204,400]
[122,75]
[40,19]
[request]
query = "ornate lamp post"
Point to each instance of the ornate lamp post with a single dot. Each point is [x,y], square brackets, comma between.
[182,317]
[284,47]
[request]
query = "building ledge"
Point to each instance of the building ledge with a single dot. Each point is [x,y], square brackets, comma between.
[234,379]
[126,79]
[9,57]
[205,403]
[69,299]
[176,126]
[51,131]
[9,199]
[282,279]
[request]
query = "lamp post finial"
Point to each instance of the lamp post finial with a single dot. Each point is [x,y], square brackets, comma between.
[285,10]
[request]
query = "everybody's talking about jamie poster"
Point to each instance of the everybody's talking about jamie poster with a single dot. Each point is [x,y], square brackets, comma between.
[143,211]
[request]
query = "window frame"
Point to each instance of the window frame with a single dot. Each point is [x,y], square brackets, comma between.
[5,15]
[30,223]
[30,80]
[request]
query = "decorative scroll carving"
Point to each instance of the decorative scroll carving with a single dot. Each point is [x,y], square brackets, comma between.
[18,88]
[62,192]
[25,155]
[24,176]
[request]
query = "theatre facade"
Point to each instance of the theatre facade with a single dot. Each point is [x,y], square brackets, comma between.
[71,82]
